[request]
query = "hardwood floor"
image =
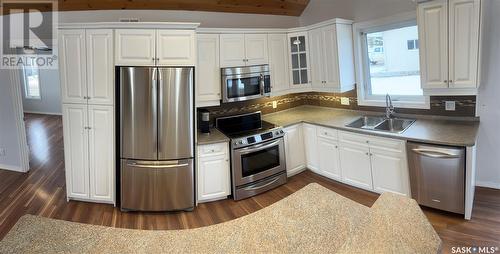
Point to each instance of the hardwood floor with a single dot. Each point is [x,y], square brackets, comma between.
[42,192]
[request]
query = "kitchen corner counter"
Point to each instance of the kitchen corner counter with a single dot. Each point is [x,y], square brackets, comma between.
[435,131]
[215,136]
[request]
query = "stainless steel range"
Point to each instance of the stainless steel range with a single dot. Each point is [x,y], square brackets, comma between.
[257,154]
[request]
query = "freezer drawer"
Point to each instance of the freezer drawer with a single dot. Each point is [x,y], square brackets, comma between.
[157,185]
[437,176]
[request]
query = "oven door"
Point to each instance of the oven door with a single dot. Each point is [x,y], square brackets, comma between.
[256,162]
[244,87]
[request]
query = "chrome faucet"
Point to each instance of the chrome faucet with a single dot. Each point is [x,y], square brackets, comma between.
[389,108]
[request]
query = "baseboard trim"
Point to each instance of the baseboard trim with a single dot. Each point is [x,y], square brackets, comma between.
[295,171]
[12,168]
[42,113]
[491,185]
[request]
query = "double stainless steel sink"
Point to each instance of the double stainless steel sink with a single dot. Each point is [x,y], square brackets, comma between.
[380,123]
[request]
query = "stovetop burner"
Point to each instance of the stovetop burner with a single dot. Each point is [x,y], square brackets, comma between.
[247,129]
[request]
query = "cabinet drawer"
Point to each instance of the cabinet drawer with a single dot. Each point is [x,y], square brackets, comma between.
[212,149]
[388,144]
[328,133]
[353,138]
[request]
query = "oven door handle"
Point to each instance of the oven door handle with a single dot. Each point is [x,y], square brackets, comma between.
[256,187]
[258,147]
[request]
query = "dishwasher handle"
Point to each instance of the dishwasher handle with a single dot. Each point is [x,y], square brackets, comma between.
[434,153]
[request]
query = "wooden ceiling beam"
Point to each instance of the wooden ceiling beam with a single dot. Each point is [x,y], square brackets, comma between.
[274,7]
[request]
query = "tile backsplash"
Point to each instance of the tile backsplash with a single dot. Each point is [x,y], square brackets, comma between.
[465,105]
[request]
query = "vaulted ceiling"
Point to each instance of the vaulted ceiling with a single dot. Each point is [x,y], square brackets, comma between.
[275,7]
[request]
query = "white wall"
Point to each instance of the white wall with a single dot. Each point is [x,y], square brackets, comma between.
[357,10]
[488,159]
[207,19]
[9,136]
[50,93]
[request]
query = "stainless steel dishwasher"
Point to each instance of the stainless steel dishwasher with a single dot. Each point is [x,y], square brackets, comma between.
[437,176]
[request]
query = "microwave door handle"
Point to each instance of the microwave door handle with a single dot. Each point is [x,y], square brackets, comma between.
[261,83]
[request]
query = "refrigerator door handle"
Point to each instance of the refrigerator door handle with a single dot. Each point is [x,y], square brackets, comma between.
[138,165]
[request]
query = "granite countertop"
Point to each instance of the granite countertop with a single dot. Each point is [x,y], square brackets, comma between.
[215,136]
[435,131]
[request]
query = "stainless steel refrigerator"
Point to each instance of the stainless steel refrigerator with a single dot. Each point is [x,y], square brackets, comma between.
[157,138]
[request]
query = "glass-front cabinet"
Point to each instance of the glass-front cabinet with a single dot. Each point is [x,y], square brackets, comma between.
[299,60]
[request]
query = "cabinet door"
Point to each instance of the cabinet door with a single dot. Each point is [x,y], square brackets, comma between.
[311,146]
[176,47]
[208,71]
[100,66]
[433,33]
[329,158]
[102,153]
[76,159]
[256,49]
[298,46]
[232,50]
[278,62]
[213,177]
[390,171]
[294,147]
[464,42]
[355,165]
[135,47]
[72,66]
[316,52]
[330,61]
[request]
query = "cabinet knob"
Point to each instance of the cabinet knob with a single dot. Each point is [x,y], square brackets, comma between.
[446,81]
[227,160]
[153,58]
[367,141]
[367,153]
[450,81]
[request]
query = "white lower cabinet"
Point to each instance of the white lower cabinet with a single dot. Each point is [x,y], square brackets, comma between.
[329,158]
[372,163]
[390,171]
[213,173]
[294,148]
[311,147]
[355,165]
[89,152]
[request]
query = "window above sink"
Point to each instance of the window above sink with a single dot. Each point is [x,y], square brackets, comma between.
[387,62]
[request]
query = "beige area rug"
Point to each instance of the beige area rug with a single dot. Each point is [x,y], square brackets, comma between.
[312,220]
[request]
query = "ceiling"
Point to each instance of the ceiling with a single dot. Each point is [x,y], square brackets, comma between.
[275,7]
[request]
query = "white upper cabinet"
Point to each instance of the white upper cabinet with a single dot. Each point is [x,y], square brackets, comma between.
[464,18]
[146,47]
[208,86]
[232,50]
[256,49]
[101,153]
[135,47]
[86,66]
[433,33]
[72,64]
[278,62]
[176,47]
[332,58]
[243,50]
[100,66]
[298,51]
[449,46]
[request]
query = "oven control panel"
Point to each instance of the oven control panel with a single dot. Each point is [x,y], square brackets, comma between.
[258,138]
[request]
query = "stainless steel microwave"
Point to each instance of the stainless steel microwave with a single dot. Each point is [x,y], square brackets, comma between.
[245,83]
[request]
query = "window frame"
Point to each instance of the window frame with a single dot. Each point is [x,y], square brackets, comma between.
[26,88]
[362,63]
